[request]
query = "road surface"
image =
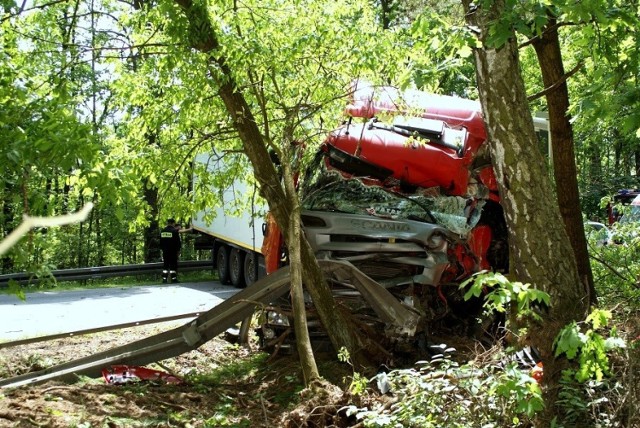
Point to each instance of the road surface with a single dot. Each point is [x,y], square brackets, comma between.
[52,312]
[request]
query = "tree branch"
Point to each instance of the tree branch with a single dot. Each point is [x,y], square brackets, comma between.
[564,78]
[549,28]
[29,223]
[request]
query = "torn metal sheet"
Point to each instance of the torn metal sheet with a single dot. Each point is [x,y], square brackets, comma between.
[391,311]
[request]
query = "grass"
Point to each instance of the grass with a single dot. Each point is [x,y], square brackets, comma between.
[237,370]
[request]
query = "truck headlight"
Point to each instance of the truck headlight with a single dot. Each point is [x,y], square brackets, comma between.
[277,318]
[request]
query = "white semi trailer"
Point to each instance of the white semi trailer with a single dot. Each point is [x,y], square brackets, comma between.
[234,228]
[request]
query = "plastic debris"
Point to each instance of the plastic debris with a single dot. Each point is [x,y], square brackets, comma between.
[537,371]
[119,375]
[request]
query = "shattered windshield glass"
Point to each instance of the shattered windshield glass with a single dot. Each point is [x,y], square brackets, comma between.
[332,192]
[456,213]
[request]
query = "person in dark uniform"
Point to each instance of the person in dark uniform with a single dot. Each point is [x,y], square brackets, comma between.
[171,245]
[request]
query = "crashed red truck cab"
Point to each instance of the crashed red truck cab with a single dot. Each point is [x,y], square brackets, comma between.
[403,192]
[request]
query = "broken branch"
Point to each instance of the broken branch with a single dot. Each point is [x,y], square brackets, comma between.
[29,223]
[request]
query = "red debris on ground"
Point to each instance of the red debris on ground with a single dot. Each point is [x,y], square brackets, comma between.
[118,375]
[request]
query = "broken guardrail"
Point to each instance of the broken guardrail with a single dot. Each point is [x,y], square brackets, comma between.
[170,343]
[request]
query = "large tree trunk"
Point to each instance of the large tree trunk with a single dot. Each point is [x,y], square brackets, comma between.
[202,36]
[547,47]
[538,240]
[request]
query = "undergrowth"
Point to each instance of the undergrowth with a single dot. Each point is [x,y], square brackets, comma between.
[492,390]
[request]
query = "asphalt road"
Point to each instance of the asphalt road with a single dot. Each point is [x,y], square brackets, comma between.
[53,312]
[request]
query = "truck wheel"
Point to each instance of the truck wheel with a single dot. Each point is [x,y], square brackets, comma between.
[222,261]
[250,269]
[236,267]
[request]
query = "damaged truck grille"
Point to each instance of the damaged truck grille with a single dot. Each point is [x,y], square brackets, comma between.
[382,271]
[389,251]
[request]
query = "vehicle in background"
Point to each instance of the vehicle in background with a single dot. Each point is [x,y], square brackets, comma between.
[618,206]
[234,229]
[623,211]
[599,232]
[632,215]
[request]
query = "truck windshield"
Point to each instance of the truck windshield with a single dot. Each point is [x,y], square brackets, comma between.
[329,191]
[333,193]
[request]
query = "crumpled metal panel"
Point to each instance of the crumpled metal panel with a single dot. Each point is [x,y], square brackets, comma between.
[400,318]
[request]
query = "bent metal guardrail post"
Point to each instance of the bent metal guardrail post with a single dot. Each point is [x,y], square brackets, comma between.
[172,342]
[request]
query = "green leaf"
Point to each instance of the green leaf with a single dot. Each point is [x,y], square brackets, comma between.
[569,341]
[465,51]
[599,318]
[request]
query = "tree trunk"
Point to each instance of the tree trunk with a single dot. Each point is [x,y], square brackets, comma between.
[7,217]
[537,238]
[202,36]
[595,166]
[547,47]
[152,231]
[303,340]
[618,143]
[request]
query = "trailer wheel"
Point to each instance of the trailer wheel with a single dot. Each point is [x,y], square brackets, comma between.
[236,267]
[222,261]
[250,269]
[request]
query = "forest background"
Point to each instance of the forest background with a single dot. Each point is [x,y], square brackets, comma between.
[100,105]
[106,102]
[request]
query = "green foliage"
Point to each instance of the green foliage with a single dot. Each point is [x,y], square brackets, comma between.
[505,296]
[49,142]
[358,383]
[591,403]
[225,415]
[616,267]
[440,55]
[232,370]
[590,347]
[454,395]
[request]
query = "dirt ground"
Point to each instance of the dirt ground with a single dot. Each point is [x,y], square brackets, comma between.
[225,385]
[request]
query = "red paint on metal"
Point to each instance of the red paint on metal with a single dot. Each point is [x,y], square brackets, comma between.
[479,242]
[414,162]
